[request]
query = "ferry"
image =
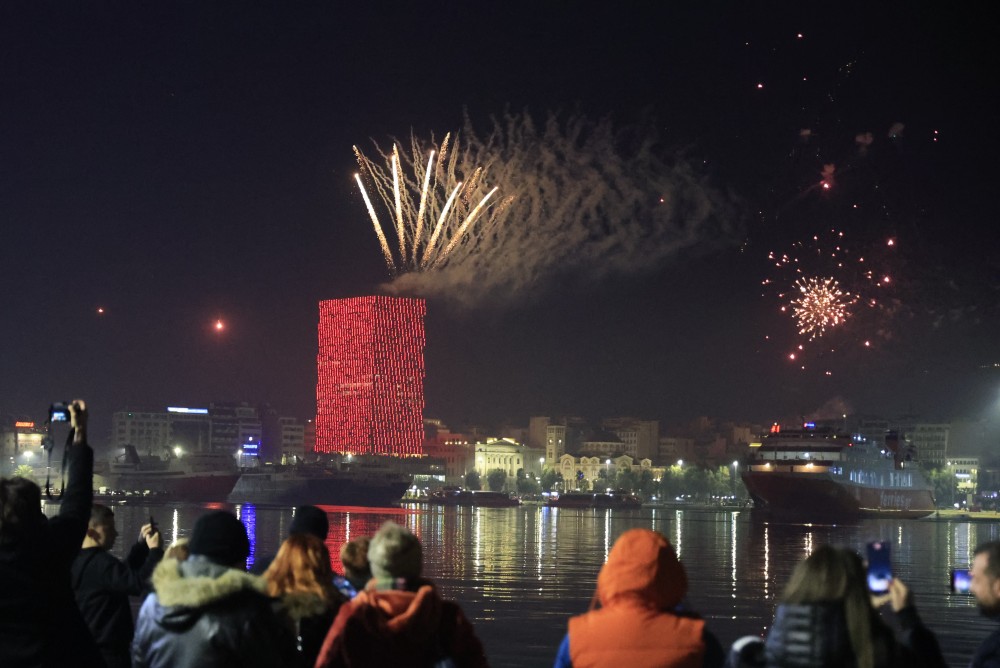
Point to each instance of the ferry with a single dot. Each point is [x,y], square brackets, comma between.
[464,497]
[197,476]
[370,481]
[594,500]
[818,473]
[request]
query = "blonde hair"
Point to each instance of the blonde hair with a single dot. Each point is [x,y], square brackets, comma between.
[301,565]
[830,575]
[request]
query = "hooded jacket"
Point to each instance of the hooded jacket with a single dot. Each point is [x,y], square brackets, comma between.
[388,626]
[639,589]
[205,614]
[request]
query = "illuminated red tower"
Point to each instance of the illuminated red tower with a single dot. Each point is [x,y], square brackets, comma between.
[370,376]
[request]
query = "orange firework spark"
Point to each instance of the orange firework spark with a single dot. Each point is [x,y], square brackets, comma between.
[819,305]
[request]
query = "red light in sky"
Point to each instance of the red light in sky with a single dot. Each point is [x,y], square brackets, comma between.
[219,325]
[370,376]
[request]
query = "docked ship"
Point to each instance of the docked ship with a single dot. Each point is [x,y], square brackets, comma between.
[819,473]
[197,476]
[620,500]
[464,497]
[366,481]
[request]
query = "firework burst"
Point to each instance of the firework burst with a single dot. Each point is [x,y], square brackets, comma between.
[837,297]
[820,305]
[434,213]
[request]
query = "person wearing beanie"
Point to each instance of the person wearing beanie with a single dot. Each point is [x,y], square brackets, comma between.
[640,621]
[400,619]
[207,610]
[306,519]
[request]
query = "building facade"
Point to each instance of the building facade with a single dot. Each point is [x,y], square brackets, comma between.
[370,376]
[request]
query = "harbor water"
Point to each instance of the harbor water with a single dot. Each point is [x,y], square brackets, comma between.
[520,573]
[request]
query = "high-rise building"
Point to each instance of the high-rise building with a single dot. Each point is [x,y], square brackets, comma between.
[370,376]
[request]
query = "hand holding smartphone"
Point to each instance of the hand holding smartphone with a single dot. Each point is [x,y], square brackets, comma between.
[879,567]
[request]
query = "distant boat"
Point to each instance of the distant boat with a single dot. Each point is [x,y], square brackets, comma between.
[464,497]
[197,476]
[619,500]
[812,473]
[366,481]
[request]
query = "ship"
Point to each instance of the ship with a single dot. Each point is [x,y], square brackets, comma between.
[812,473]
[196,476]
[365,481]
[462,497]
[618,500]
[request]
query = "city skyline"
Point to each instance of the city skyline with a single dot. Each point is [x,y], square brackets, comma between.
[179,194]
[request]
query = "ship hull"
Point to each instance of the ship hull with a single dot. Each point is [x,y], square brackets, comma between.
[326,490]
[470,499]
[174,486]
[596,500]
[817,496]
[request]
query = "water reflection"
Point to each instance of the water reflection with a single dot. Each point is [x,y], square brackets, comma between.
[520,573]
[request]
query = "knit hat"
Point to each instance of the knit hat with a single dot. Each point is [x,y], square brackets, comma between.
[312,520]
[220,537]
[394,552]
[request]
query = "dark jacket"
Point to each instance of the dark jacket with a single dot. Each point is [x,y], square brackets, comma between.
[988,653]
[204,614]
[816,635]
[102,585]
[40,624]
[310,617]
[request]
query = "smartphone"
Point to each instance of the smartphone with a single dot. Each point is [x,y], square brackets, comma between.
[59,412]
[960,580]
[879,567]
[152,524]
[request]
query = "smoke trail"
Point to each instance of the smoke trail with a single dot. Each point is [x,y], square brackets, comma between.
[579,197]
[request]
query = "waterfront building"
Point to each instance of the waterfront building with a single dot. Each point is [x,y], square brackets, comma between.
[641,437]
[20,444]
[509,455]
[370,376]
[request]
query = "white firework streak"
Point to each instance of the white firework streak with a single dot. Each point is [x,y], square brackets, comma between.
[456,217]
[579,197]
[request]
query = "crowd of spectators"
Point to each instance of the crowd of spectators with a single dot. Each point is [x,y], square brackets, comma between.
[64,599]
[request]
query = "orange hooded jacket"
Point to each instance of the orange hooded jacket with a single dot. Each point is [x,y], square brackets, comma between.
[638,588]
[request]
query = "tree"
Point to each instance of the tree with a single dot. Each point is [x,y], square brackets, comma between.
[647,486]
[472,480]
[627,480]
[943,483]
[496,479]
[549,478]
[24,471]
[526,485]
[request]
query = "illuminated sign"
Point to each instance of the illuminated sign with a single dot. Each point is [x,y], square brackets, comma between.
[189,411]
[809,425]
[25,425]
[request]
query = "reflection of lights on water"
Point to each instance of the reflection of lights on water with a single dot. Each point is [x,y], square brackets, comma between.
[539,516]
[607,534]
[247,514]
[767,562]
[175,525]
[809,543]
[678,518]
[732,553]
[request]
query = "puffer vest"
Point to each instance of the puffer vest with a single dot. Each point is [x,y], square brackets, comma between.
[635,636]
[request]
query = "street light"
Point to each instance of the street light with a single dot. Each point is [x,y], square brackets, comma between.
[736,470]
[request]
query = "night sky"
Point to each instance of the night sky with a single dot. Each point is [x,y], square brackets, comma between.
[179,163]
